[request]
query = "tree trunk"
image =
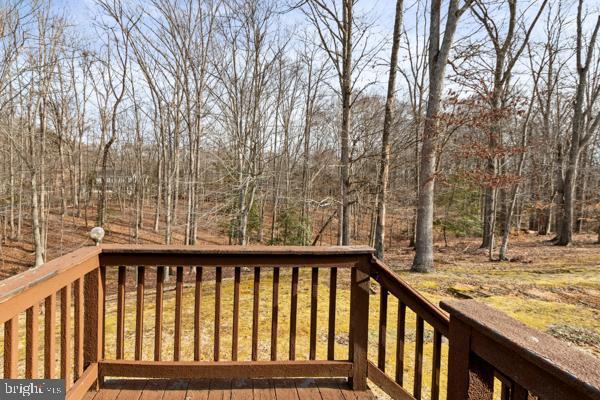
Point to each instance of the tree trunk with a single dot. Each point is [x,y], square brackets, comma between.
[438,58]
[385,139]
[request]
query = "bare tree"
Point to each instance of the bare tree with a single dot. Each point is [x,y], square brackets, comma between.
[383,177]
[438,58]
[584,124]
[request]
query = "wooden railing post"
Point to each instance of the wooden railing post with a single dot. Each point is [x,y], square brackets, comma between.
[359,326]
[469,377]
[94,317]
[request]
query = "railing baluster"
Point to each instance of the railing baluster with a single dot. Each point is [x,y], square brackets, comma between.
[236,313]
[332,311]
[275,314]
[122,276]
[102,321]
[178,301]
[11,347]
[359,321]
[79,293]
[197,314]
[519,392]
[94,317]
[504,391]
[400,333]
[65,334]
[217,343]
[436,365]
[314,295]
[31,360]
[293,313]
[49,336]
[256,304]
[420,328]
[158,317]
[139,312]
[383,303]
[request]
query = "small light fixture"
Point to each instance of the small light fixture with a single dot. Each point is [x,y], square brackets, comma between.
[97,234]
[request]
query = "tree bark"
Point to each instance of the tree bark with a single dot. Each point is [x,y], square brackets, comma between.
[383,180]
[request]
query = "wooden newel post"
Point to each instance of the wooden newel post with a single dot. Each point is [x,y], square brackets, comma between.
[359,326]
[94,317]
[469,377]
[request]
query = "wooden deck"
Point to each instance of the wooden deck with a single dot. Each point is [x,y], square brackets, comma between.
[180,389]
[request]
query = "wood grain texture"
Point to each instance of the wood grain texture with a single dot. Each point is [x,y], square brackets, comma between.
[31,341]
[50,337]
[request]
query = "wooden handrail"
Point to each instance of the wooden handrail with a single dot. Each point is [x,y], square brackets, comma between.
[409,296]
[480,339]
[22,291]
[211,256]
[484,340]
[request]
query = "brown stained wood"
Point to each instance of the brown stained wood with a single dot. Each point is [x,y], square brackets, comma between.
[505,391]
[122,277]
[50,336]
[65,334]
[400,337]
[197,314]
[285,389]
[175,389]
[359,317]
[158,317]
[409,296]
[81,387]
[20,292]
[11,348]
[307,389]
[31,341]
[385,383]
[458,360]
[314,296]
[110,391]
[241,389]
[236,314]
[220,389]
[217,341]
[519,393]
[274,313]
[255,310]
[102,315]
[436,365]
[79,328]
[293,313]
[419,332]
[139,313]
[154,389]
[544,365]
[383,306]
[348,393]
[225,369]
[93,317]
[262,389]
[178,306]
[329,389]
[131,389]
[204,389]
[198,389]
[332,313]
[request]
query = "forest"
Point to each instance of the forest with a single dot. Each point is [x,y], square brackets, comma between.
[298,122]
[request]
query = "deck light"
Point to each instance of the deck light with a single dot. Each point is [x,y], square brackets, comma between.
[97,234]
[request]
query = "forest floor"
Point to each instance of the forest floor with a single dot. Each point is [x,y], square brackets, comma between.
[554,289]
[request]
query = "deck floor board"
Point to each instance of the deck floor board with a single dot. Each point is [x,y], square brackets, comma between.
[220,389]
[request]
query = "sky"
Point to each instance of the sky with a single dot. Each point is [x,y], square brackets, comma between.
[381,12]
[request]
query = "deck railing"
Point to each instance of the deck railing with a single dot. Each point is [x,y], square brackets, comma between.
[400,342]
